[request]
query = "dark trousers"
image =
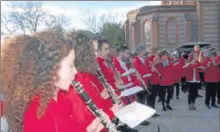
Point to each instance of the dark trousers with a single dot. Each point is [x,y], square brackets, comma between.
[210,92]
[183,84]
[202,78]
[192,92]
[151,99]
[141,97]
[218,92]
[163,91]
[177,87]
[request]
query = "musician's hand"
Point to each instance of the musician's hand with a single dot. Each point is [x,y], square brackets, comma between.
[95,126]
[115,108]
[152,69]
[105,94]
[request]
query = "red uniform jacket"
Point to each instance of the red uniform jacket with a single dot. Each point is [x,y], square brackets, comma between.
[54,119]
[181,64]
[177,71]
[143,69]
[126,79]
[167,73]
[211,73]
[108,72]
[190,71]
[155,79]
[82,115]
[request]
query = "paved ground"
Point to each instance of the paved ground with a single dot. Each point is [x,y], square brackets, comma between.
[183,120]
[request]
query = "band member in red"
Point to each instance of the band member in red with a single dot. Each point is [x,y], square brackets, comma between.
[177,71]
[103,62]
[218,88]
[85,68]
[35,69]
[121,64]
[141,64]
[211,79]
[193,79]
[167,81]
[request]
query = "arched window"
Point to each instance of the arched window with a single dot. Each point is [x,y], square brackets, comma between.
[172,31]
[147,32]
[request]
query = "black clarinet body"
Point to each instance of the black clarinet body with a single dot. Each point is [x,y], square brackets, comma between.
[111,91]
[92,106]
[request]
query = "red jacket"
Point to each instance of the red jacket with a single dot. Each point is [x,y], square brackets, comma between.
[167,73]
[54,119]
[126,79]
[190,71]
[82,115]
[108,72]
[212,72]
[151,58]
[177,71]
[143,69]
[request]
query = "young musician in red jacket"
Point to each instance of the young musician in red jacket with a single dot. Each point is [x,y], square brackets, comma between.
[102,50]
[85,73]
[142,65]
[211,79]
[177,71]
[35,69]
[167,81]
[121,64]
[193,79]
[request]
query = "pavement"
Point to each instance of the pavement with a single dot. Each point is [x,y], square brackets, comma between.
[181,119]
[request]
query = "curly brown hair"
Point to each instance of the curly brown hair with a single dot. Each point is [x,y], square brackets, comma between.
[85,60]
[29,67]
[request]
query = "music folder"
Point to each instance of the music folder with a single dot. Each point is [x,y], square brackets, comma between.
[131,91]
[134,114]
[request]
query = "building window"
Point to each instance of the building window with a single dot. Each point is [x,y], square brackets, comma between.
[147,32]
[171,31]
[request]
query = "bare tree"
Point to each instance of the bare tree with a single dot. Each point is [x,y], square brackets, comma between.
[29,17]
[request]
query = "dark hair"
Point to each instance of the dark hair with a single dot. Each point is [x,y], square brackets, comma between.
[121,48]
[214,53]
[83,47]
[101,42]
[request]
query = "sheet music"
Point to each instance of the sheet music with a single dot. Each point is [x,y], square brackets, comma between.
[131,91]
[134,114]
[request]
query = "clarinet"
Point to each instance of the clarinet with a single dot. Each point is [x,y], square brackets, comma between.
[92,106]
[138,75]
[111,91]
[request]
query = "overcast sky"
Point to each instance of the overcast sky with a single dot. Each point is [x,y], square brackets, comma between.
[76,10]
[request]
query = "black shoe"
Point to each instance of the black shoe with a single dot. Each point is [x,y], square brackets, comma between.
[177,97]
[164,108]
[155,115]
[208,106]
[169,107]
[125,128]
[145,123]
[215,106]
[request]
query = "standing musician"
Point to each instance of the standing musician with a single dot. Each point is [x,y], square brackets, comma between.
[183,60]
[104,63]
[201,73]
[102,50]
[193,79]
[85,74]
[218,88]
[211,79]
[177,71]
[167,81]
[141,64]
[122,66]
[36,69]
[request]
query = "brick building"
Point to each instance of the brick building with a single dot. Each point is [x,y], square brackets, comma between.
[174,23]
